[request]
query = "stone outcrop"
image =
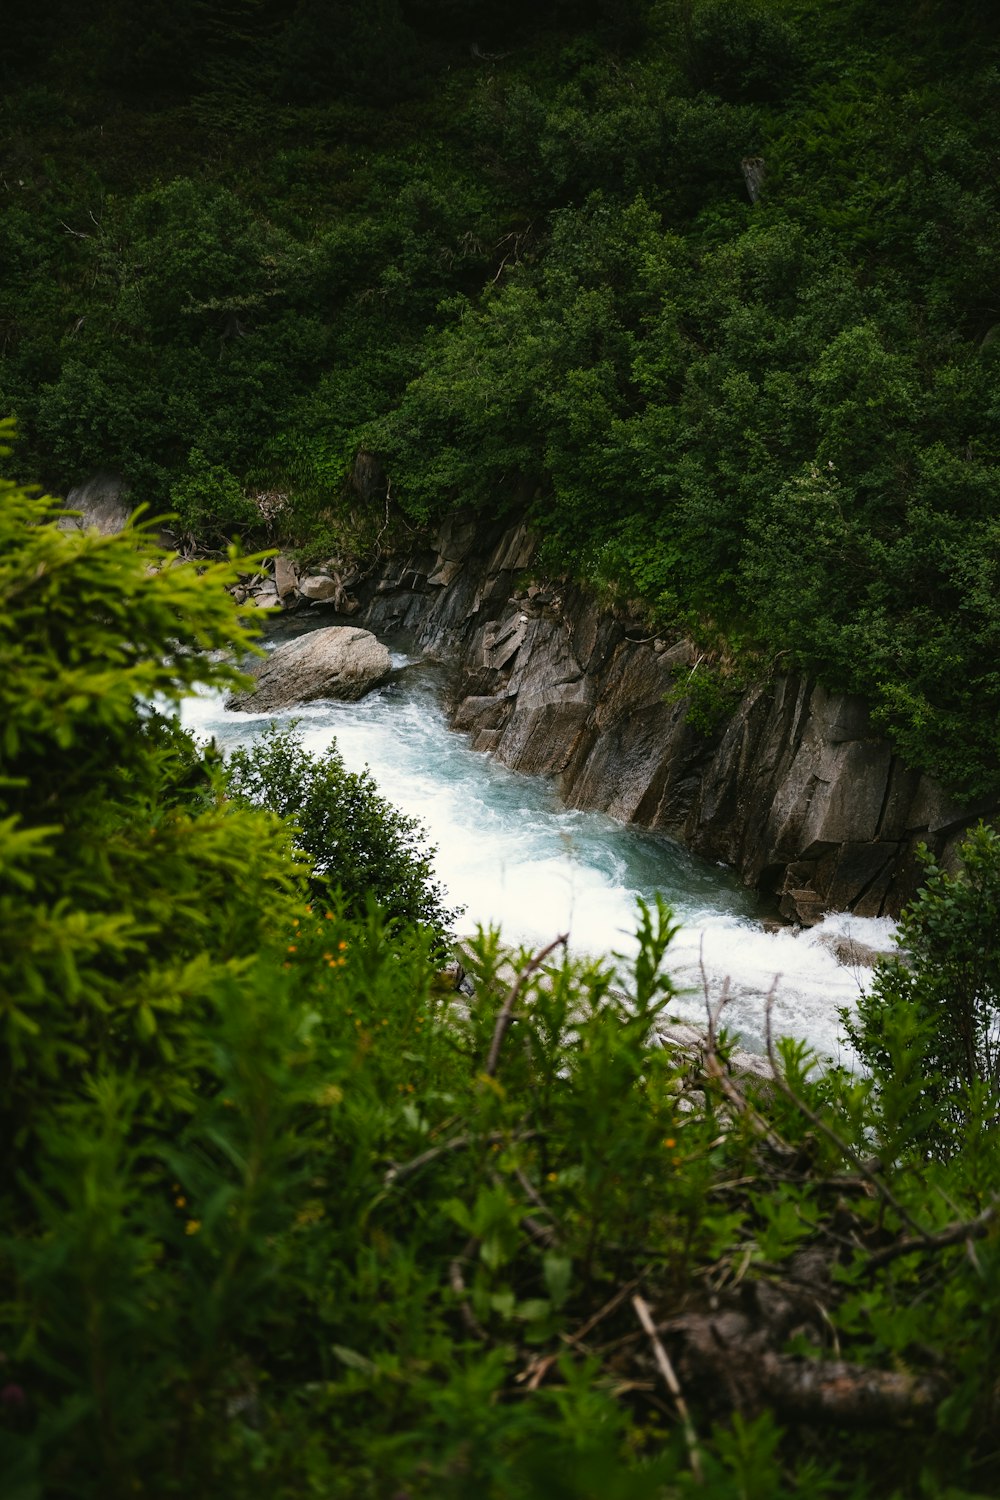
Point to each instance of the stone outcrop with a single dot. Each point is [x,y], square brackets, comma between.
[103,503]
[796,790]
[340,661]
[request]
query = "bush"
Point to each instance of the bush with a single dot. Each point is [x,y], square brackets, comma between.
[360,847]
[945,989]
[278,1215]
[211,504]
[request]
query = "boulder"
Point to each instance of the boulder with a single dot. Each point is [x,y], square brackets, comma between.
[851,952]
[319,587]
[286,576]
[103,503]
[368,477]
[265,599]
[341,661]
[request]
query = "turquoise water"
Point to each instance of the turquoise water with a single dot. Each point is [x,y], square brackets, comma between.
[514,856]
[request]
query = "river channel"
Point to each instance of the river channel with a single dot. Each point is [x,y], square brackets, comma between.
[514,856]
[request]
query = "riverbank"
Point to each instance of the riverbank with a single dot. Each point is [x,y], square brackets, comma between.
[794,788]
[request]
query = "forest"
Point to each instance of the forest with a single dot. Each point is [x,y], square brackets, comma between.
[511,249]
[708,290]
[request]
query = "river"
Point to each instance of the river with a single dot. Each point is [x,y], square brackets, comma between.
[514,856]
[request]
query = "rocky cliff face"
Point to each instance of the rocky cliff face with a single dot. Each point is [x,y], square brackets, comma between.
[796,790]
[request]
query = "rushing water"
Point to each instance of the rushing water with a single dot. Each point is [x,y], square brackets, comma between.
[514,856]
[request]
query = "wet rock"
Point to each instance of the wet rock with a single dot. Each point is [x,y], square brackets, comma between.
[795,790]
[319,587]
[339,662]
[850,951]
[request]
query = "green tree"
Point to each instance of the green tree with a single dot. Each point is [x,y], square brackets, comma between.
[119,847]
[360,847]
[946,984]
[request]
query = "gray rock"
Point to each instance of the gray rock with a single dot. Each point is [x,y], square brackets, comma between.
[455,539]
[516,550]
[368,476]
[502,642]
[338,662]
[286,576]
[851,952]
[795,790]
[103,503]
[446,572]
[319,587]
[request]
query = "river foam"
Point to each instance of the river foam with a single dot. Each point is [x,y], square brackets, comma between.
[515,857]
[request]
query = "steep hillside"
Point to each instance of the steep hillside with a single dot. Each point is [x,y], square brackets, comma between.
[710,286]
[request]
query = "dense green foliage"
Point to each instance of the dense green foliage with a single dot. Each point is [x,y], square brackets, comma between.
[359,846]
[510,247]
[279,1215]
[946,993]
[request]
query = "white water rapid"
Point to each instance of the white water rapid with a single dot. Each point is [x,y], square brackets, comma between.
[515,857]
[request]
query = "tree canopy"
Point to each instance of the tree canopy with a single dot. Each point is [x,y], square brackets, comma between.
[512,249]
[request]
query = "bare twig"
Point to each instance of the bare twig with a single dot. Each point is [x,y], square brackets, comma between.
[609,1306]
[457,1282]
[398,1172]
[536,1371]
[673,1385]
[501,267]
[543,1234]
[385,524]
[507,1009]
[554,1228]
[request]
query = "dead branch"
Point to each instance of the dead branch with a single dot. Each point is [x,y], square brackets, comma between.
[554,1228]
[673,1385]
[837,1391]
[477,52]
[543,1234]
[536,1372]
[457,1283]
[507,1009]
[726,1355]
[609,1307]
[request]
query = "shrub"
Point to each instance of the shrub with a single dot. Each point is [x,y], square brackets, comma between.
[945,989]
[360,846]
